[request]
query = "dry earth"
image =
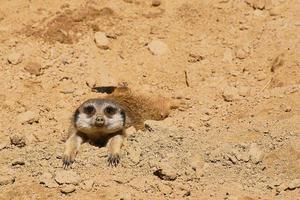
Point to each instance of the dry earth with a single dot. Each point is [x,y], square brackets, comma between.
[235,64]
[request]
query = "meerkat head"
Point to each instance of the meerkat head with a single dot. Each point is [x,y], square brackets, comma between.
[99,115]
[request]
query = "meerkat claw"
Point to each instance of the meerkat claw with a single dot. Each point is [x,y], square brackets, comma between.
[113,160]
[67,162]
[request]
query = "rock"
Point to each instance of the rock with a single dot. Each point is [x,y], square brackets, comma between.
[27,117]
[257,4]
[230,94]
[68,189]
[18,140]
[158,47]
[66,176]
[197,163]
[90,82]
[101,40]
[47,180]
[14,58]
[260,76]
[156,3]
[5,180]
[244,91]
[241,53]
[33,68]
[18,161]
[243,156]
[88,185]
[294,184]
[256,154]
[166,172]
[276,11]
[65,60]
[193,58]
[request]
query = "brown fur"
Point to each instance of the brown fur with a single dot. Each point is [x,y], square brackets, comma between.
[140,107]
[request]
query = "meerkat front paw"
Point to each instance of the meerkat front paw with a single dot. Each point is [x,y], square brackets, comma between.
[113,160]
[68,160]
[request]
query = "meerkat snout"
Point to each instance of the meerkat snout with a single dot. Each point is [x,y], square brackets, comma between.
[99,121]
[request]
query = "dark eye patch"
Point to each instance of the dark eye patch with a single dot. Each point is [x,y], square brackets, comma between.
[110,110]
[89,110]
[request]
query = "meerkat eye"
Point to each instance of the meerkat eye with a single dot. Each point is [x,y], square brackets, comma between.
[89,109]
[110,110]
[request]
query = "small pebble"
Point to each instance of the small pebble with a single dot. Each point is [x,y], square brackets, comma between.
[14,58]
[88,185]
[101,40]
[158,47]
[156,3]
[27,117]
[68,189]
[18,162]
[241,53]
[166,172]
[33,68]
[66,177]
[230,94]
[48,180]
[5,180]
[294,184]
[90,82]
[18,140]
[256,154]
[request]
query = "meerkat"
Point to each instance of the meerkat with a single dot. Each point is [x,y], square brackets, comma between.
[93,121]
[106,119]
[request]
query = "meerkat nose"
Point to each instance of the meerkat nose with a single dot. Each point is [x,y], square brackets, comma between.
[99,121]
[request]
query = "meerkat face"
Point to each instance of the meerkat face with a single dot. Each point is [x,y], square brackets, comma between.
[99,116]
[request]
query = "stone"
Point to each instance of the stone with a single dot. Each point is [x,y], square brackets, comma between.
[241,53]
[260,76]
[18,140]
[48,180]
[6,179]
[18,161]
[166,172]
[276,11]
[230,94]
[156,3]
[88,185]
[101,40]
[90,82]
[66,177]
[33,68]
[158,47]
[68,189]
[257,4]
[244,91]
[256,154]
[27,117]
[294,184]
[14,58]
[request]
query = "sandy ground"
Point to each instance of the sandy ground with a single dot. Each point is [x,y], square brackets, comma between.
[235,64]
